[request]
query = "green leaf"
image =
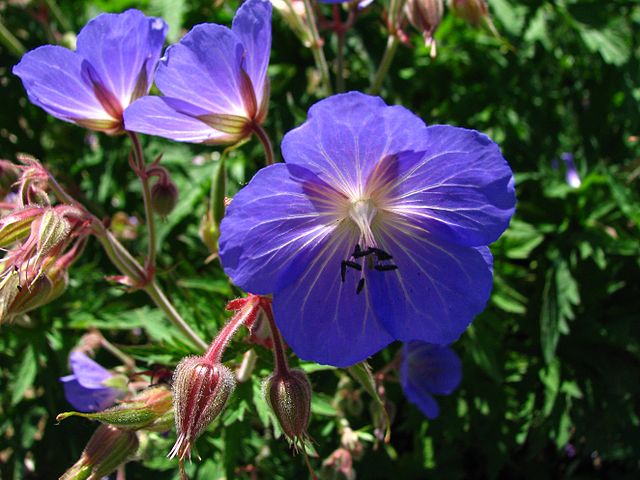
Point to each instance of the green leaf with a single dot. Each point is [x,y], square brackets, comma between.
[24,376]
[362,373]
[612,42]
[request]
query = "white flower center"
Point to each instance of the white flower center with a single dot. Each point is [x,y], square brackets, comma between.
[363,212]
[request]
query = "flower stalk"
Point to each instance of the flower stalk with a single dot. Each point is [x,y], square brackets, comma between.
[316,48]
[140,168]
[129,266]
[266,143]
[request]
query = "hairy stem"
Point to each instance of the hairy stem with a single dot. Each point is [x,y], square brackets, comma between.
[163,303]
[266,143]
[316,47]
[385,63]
[245,314]
[279,356]
[129,266]
[146,196]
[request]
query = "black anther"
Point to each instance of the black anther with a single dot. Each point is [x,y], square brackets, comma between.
[360,285]
[355,265]
[385,268]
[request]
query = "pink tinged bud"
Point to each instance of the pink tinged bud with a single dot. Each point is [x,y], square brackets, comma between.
[289,396]
[17,225]
[108,448]
[338,466]
[425,16]
[20,293]
[53,230]
[164,197]
[471,11]
[201,390]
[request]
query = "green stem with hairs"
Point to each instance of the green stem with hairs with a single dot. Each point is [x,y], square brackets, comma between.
[385,63]
[140,171]
[316,48]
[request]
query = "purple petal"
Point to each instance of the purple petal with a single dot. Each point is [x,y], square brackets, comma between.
[437,289]
[162,116]
[459,188]
[322,318]
[572,177]
[54,80]
[428,369]
[204,70]
[124,50]
[436,368]
[86,399]
[346,135]
[89,374]
[274,227]
[252,25]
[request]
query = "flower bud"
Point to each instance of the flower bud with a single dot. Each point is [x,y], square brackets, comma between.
[108,448]
[148,410]
[338,466]
[20,292]
[164,197]
[288,393]
[471,11]
[200,392]
[53,230]
[425,16]
[17,225]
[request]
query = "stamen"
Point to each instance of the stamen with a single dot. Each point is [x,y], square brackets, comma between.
[385,268]
[355,265]
[381,254]
[360,286]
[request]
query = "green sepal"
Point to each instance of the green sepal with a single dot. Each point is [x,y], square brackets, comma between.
[362,373]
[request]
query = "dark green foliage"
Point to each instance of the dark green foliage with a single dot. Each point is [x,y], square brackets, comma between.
[551,366]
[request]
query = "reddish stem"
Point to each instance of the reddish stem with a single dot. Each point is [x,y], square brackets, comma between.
[245,314]
[278,347]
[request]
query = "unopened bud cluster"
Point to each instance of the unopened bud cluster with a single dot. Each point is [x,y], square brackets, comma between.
[41,242]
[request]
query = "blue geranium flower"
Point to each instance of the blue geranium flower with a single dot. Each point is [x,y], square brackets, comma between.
[376,229]
[214,82]
[86,389]
[428,369]
[113,65]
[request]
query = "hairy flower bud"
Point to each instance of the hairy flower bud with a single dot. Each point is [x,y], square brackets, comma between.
[151,409]
[164,197]
[200,391]
[17,225]
[53,231]
[20,292]
[425,16]
[471,11]
[289,396]
[108,448]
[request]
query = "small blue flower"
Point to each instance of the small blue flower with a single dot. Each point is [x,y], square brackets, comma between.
[376,229]
[113,65]
[426,370]
[572,177]
[85,389]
